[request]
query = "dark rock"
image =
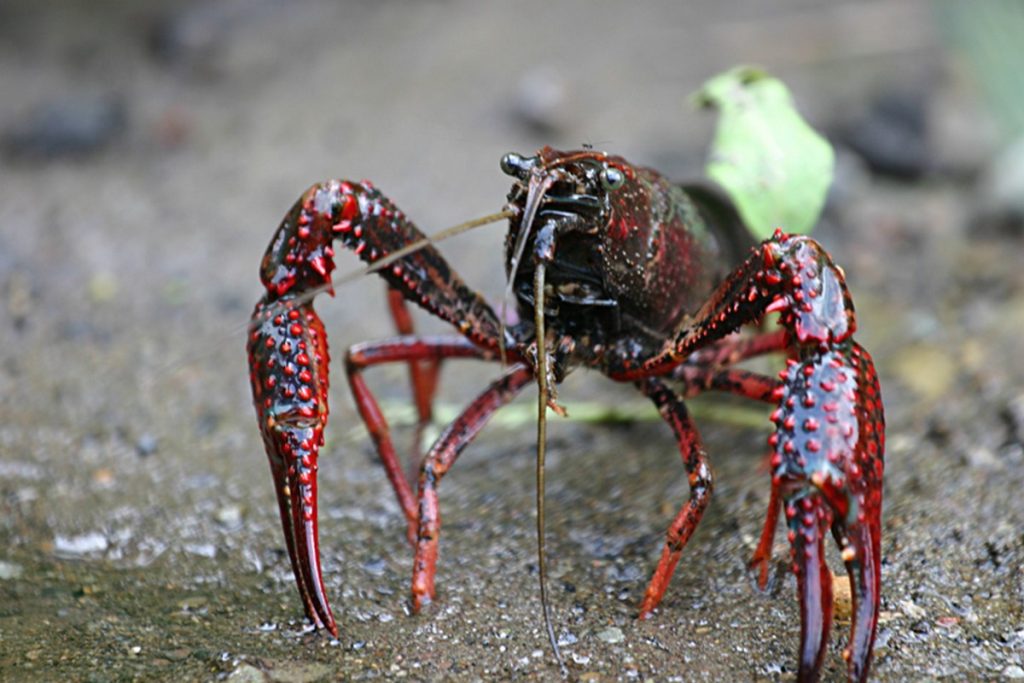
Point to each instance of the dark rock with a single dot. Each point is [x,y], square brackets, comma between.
[892,137]
[1000,207]
[67,126]
[146,445]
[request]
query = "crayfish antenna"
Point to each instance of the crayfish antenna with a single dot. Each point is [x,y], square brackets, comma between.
[542,409]
[465,226]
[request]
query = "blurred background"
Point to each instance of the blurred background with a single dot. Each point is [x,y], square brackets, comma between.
[148,150]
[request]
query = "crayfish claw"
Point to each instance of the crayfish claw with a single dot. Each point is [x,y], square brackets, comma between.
[296,488]
[288,359]
[861,554]
[828,463]
[809,517]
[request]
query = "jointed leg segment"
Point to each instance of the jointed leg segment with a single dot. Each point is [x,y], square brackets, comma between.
[673,410]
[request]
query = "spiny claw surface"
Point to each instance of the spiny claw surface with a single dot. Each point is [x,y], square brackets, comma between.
[289,360]
[828,465]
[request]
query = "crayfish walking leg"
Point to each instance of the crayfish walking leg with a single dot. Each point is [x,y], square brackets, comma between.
[674,412]
[413,350]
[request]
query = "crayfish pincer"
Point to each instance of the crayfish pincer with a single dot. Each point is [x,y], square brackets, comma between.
[611,267]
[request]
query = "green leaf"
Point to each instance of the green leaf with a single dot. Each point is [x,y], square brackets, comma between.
[773,165]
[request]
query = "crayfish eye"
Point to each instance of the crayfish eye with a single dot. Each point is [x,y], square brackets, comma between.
[612,178]
[512,164]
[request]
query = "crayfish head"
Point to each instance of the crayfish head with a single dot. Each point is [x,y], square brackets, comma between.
[562,203]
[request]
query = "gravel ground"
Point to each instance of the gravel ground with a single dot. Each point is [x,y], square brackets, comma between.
[149,150]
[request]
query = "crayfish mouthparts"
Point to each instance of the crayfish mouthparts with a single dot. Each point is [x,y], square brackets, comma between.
[612,268]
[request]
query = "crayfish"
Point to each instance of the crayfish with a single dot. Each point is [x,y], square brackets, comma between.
[611,267]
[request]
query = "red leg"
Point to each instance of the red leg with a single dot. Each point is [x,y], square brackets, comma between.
[789,274]
[400,349]
[735,349]
[436,464]
[699,378]
[673,410]
[763,555]
[696,379]
[422,374]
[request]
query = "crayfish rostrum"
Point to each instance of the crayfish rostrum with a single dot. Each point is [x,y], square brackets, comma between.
[611,267]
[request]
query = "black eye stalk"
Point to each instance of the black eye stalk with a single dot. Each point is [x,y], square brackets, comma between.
[516,165]
[612,178]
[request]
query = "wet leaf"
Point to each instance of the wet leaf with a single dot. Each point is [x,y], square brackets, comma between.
[774,166]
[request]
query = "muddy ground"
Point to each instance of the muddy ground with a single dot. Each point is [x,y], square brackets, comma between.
[149,150]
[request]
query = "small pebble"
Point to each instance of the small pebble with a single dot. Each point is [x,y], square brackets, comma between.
[103,477]
[146,445]
[247,673]
[612,634]
[193,603]
[83,544]
[911,609]
[207,550]
[375,566]
[1013,671]
[10,570]
[567,638]
[229,516]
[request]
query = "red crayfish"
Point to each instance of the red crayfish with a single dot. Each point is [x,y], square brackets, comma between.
[611,267]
